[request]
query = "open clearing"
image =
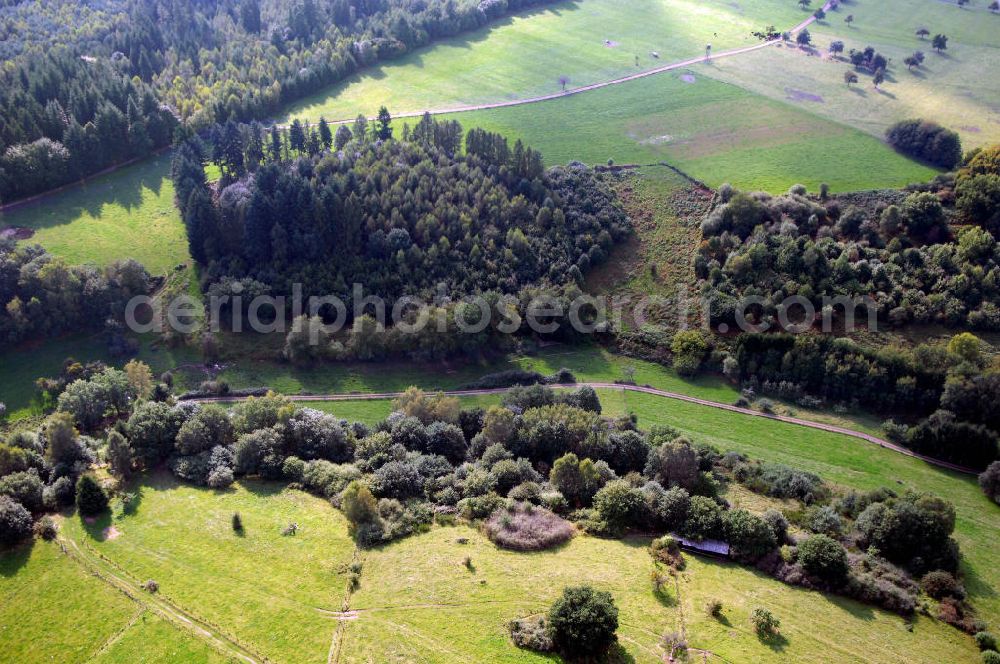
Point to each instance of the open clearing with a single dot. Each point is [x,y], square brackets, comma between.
[267,591]
[523,56]
[275,594]
[951,88]
[713,131]
[41,588]
[128,213]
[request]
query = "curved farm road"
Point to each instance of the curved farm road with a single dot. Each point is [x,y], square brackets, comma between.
[604,84]
[38,198]
[875,440]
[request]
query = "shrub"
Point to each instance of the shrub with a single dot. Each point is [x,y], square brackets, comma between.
[619,505]
[15,521]
[293,469]
[714,608]
[480,507]
[209,427]
[90,497]
[25,488]
[940,584]
[778,523]
[58,494]
[986,641]
[527,528]
[764,623]
[688,348]
[237,522]
[825,520]
[358,503]
[664,509]
[220,478]
[673,463]
[260,452]
[531,633]
[989,480]
[704,519]
[316,435]
[397,479]
[46,529]
[583,622]
[990,657]
[824,557]
[750,537]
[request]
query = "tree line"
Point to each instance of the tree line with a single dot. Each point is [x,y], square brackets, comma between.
[42,296]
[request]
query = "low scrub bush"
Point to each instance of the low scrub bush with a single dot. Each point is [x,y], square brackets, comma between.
[46,529]
[15,521]
[531,633]
[765,624]
[940,584]
[527,528]
[986,641]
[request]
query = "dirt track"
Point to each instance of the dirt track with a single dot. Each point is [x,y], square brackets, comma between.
[875,440]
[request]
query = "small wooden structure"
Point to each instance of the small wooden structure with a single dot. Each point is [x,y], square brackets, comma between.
[712,548]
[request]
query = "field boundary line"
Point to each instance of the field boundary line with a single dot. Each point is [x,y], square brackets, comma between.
[160,605]
[642,389]
[673,66]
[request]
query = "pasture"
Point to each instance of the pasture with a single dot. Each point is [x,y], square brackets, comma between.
[128,213]
[269,592]
[950,87]
[713,131]
[524,56]
[41,588]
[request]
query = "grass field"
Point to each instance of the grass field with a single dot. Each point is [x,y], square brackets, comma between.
[950,88]
[417,601]
[260,588]
[713,131]
[523,56]
[52,610]
[129,213]
[446,613]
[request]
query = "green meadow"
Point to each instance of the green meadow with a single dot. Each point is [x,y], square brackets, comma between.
[713,131]
[950,88]
[129,213]
[523,56]
[53,610]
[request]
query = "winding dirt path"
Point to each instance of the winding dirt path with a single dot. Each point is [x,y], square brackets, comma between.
[875,440]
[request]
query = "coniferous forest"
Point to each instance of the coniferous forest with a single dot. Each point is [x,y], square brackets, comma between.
[89,86]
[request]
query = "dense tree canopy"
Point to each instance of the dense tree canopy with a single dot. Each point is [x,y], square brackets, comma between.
[42,296]
[400,217]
